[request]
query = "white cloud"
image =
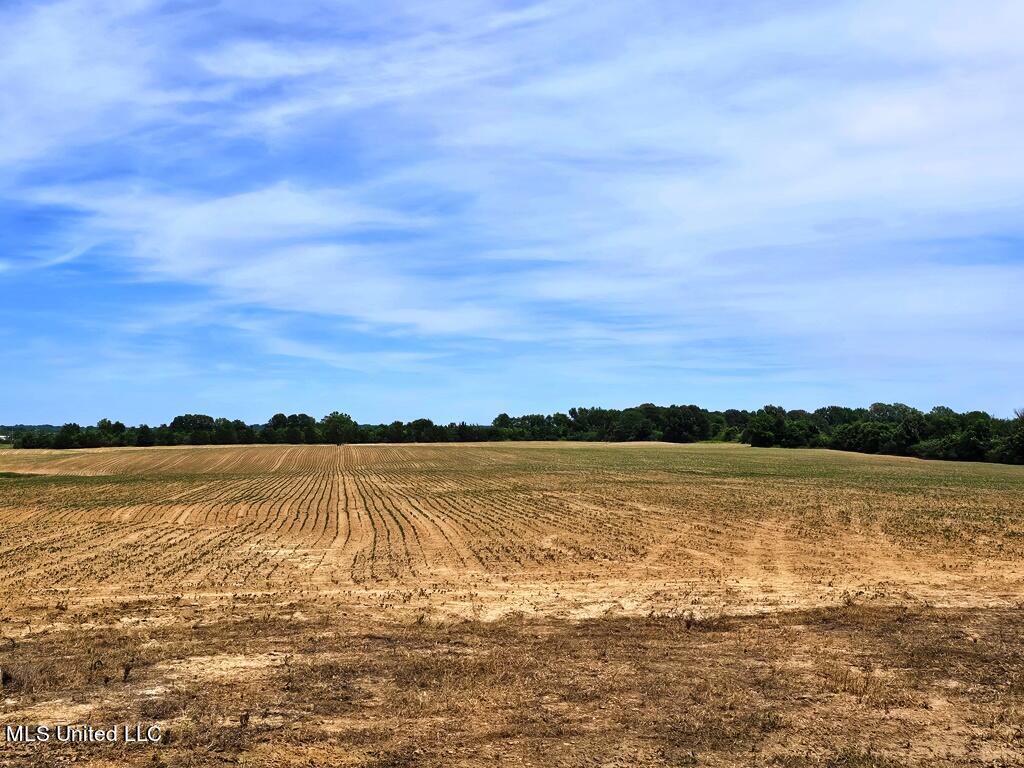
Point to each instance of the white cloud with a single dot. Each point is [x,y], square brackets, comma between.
[646,174]
[73,73]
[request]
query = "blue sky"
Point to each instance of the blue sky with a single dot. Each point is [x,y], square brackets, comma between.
[460,207]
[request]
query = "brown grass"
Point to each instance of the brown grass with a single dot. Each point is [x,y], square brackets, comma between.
[513,605]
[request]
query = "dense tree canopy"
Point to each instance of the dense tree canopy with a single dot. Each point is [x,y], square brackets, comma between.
[895,429]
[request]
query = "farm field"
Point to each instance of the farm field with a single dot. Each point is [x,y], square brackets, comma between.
[514,604]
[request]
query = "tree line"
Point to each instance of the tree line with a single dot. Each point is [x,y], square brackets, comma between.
[894,429]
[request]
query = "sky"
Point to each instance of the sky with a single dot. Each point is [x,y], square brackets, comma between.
[456,208]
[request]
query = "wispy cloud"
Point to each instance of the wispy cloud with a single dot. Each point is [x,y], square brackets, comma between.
[660,193]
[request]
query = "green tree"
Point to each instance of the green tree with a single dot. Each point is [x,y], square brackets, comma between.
[339,428]
[632,425]
[395,432]
[1010,449]
[760,430]
[766,427]
[67,436]
[190,422]
[199,437]
[800,433]
[224,433]
[144,436]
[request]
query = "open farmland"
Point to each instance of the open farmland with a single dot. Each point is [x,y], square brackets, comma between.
[535,604]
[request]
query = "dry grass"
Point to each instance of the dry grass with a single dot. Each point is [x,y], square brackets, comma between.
[900,687]
[514,605]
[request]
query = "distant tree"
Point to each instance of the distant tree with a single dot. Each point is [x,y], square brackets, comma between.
[191,422]
[895,412]
[301,420]
[972,443]
[906,435]
[561,426]
[800,433]
[339,428]
[933,448]
[502,421]
[731,434]
[717,424]
[200,437]
[243,432]
[224,433]
[941,421]
[34,439]
[90,437]
[766,427]
[424,431]
[164,436]
[735,418]
[883,428]
[67,436]
[1010,449]
[144,436]
[632,424]
[395,432]
[864,436]
[111,427]
[833,416]
[760,430]
[685,424]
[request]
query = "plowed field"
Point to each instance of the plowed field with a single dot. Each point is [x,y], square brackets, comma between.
[557,549]
[720,526]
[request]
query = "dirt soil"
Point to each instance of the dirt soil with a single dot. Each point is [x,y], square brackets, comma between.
[513,604]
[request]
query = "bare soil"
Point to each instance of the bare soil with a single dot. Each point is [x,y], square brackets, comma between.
[513,604]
